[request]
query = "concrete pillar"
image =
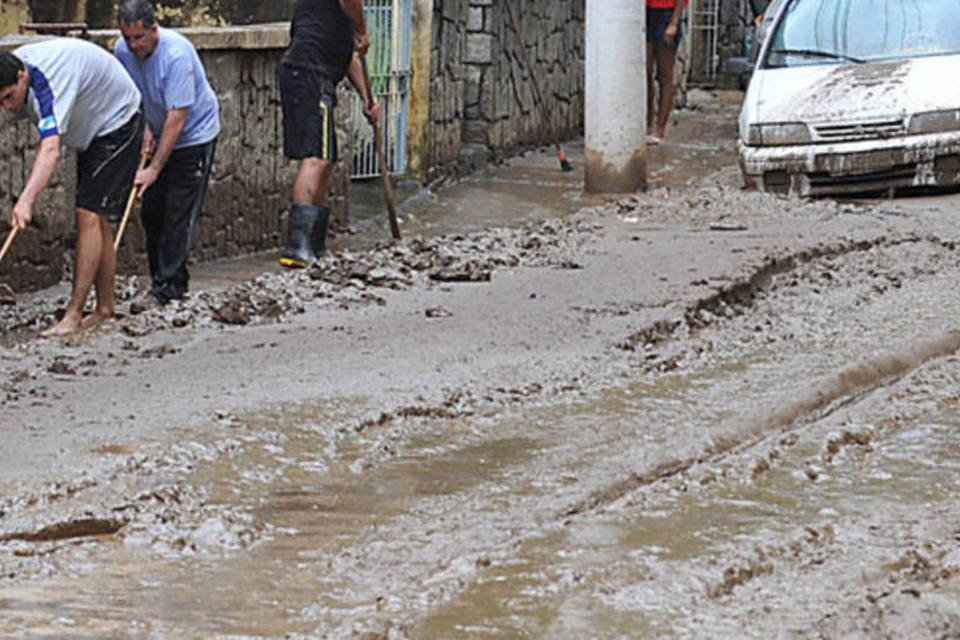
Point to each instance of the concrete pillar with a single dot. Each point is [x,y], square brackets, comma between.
[420,52]
[616,96]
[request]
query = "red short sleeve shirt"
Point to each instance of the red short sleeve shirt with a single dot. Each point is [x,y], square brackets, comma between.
[664,4]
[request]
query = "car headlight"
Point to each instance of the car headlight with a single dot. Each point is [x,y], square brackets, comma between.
[777,134]
[935,122]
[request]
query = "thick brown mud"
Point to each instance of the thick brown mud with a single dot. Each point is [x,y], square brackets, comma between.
[697,412]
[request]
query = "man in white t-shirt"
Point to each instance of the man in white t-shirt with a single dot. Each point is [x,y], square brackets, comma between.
[80,97]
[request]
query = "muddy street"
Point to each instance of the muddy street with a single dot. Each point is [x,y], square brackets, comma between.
[693,412]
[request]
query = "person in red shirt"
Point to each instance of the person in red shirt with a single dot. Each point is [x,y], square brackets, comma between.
[664,31]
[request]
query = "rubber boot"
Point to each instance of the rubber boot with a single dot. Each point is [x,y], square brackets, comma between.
[299,254]
[318,238]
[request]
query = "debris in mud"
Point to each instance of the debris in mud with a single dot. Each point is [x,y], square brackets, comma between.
[438,312]
[345,279]
[837,443]
[231,312]
[175,519]
[469,272]
[728,226]
[61,366]
[159,352]
[7,295]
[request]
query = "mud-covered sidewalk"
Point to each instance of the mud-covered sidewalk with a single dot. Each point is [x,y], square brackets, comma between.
[695,412]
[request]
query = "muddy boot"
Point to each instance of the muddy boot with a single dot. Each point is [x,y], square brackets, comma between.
[318,238]
[298,254]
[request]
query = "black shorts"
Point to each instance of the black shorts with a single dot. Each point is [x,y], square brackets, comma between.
[308,97]
[105,170]
[657,22]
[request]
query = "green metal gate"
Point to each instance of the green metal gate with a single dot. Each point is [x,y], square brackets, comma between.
[389,23]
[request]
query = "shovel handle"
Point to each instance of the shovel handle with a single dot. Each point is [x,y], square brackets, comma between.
[126,212]
[8,242]
[388,197]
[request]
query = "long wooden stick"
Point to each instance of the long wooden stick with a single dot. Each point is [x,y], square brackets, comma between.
[132,198]
[384,168]
[8,242]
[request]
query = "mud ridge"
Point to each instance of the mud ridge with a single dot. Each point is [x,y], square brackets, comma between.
[737,298]
[847,386]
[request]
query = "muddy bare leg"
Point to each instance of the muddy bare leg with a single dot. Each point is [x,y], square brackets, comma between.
[666,61]
[313,181]
[105,279]
[86,265]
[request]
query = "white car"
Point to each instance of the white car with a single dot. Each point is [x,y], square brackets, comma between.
[853,96]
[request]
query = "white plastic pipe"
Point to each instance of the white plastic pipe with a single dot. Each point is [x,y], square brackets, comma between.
[616,96]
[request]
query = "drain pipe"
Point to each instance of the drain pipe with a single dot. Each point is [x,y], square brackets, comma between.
[616,96]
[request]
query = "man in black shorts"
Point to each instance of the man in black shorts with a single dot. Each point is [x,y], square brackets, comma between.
[323,37]
[79,96]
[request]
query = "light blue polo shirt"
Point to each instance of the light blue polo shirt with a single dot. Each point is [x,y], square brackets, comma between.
[173,77]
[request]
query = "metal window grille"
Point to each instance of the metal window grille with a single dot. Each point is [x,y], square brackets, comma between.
[704,36]
[389,23]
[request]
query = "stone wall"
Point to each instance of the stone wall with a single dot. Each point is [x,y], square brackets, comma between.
[12,13]
[449,39]
[734,20]
[250,183]
[482,98]
[40,255]
[500,103]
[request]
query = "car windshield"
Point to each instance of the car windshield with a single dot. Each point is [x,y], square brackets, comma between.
[839,31]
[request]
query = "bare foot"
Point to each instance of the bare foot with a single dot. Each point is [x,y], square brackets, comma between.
[69,324]
[94,320]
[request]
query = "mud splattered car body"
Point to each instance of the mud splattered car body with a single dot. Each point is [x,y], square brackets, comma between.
[854,96]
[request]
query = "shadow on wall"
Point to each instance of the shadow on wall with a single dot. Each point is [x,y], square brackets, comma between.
[102,14]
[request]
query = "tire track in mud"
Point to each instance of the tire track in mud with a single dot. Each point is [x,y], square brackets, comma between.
[881,561]
[837,392]
[847,386]
[737,300]
[851,384]
[743,572]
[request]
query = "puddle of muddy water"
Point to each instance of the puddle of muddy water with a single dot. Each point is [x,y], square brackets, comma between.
[637,570]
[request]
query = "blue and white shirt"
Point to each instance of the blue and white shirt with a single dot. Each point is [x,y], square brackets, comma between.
[172,77]
[76,90]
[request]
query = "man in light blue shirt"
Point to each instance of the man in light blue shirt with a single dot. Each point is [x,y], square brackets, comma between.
[183,123]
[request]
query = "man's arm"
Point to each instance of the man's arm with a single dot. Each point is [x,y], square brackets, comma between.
[359,81]
[172,127]
[42,171]
[353,9]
